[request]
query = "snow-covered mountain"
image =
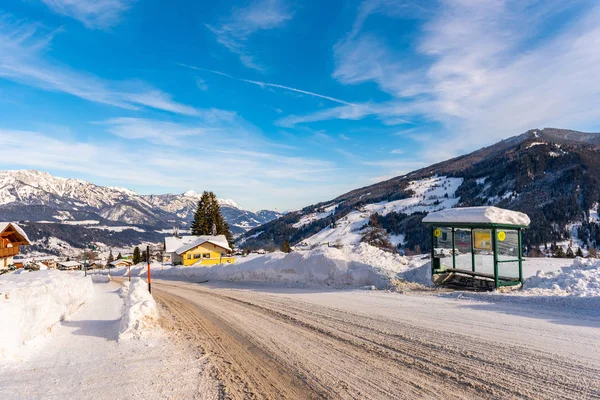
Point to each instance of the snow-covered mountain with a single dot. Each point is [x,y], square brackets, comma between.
[36,196]
[553,175]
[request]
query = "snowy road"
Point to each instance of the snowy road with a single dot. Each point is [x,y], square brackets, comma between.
[292,343]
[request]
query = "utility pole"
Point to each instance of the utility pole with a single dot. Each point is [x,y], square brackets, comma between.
[149,276]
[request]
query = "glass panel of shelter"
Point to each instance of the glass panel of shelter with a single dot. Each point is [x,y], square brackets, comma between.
[483,251]
[462,243]
[508,252]
[442,246]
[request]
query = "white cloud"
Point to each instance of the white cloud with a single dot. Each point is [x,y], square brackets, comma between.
[234,31]
[94,14]
[23,47]
[487,70]
[249,171]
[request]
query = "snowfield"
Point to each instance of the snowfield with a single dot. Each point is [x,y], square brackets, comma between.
[364,266]
[349,267]
[31,303]
[430,194]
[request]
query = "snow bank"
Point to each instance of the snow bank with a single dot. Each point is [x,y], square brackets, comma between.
[582,279]
[100,278]
[349,267]
[31,303]
[140,314]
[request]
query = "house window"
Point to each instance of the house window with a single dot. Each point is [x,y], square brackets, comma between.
[206,255]
[189,256]
[196,256]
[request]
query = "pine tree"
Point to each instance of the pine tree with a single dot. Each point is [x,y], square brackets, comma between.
[137,256]
[579,252]
[376,236]
[559,252]
[570,253]
[110,259]
[202,223]
[119,256]
[208,219]
[144,256]
[285,246]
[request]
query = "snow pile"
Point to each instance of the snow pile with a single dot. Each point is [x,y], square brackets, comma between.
[348,267]
[582,279]
[100,278]
[31,303]
[140,314]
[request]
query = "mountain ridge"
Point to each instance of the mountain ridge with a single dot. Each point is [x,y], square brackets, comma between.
[552,174]
[44,200]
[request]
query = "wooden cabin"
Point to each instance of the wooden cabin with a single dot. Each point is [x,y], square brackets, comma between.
[12,237]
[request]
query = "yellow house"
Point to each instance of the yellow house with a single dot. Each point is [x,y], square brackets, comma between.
[206,251]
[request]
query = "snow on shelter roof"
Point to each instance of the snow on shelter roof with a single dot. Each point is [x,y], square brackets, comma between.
[219,240]
[4,225]
[478,216]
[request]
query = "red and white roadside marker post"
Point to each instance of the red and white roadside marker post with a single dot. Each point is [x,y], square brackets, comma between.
[149,276]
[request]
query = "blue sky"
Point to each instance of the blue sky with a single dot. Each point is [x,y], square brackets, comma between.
[277,104]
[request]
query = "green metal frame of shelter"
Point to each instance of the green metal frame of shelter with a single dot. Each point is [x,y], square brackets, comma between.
[499,281]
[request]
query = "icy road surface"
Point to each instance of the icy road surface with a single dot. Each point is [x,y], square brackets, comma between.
[306,343]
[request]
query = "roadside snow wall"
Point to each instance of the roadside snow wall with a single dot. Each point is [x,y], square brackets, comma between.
[140,314]
[582,279]
[31,303]
[349,267]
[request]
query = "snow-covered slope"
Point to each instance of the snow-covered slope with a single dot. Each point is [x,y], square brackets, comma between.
[430,194]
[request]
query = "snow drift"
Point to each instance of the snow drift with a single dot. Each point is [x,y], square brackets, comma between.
[582,279]
[349,267]
[140,314]
[31,303]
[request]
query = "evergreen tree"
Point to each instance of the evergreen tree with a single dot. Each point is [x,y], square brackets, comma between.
[579,253]
[559,252]
[144,256]
[119,256]
[570,253]
[202,223]
[285,247]
[376,236]
[137,256]
[208,219]
[110,259]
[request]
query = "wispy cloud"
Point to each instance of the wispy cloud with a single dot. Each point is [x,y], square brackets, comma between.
[273,85]
[481,70]
[234,31]
[94,14]
[24,46]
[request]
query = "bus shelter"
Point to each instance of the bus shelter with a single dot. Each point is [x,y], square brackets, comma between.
[478,247]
